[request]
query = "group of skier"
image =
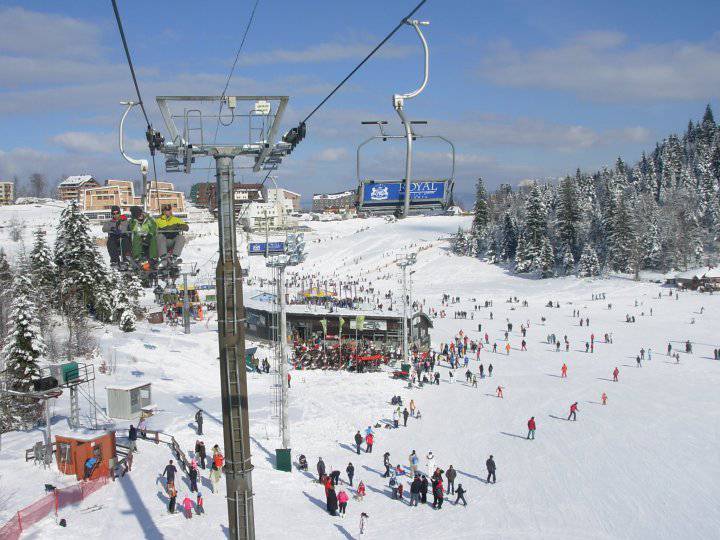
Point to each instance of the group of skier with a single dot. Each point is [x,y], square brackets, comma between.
[150,243]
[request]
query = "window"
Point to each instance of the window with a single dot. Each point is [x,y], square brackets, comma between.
[64,453]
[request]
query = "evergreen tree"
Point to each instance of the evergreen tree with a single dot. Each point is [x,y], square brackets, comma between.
[6,279]
[535,230]
[509,238]
[23,347]
[460,243]
[481,216]
[523,263]
[42,267]
[568,261]
[589,264]
[545,263]
[622,237]
[568,213]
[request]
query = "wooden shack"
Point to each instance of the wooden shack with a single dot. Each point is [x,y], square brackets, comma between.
[73,452]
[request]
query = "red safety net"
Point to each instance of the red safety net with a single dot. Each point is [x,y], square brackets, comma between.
[37,511]
[90,487]
[372,358]
[11,530]
[69,495]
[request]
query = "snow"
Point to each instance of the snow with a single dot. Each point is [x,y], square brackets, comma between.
[645,466]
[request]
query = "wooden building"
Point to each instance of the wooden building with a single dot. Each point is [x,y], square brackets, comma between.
[73,452]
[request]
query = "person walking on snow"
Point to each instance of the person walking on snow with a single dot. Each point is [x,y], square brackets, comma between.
[405,414]
[199,421]
[358,441]
[499,392]
[395,419]
[350,470]
[460,495]
[188,505]
[169,474]
[616,372]
[563,372]
[451,474]
[369,439]
[490,370]
[387,464]
[603,398]
[490,465]
[507,348]
[531,428]
[430,465]
[412,407]
[573,411]
[320,469]
[414,460]
[342,499]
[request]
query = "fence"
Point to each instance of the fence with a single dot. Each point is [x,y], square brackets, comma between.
[52,502]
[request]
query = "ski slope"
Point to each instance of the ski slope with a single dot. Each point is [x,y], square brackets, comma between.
[645,466]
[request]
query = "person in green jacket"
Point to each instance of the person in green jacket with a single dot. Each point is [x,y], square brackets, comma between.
[169,238]
[143,231]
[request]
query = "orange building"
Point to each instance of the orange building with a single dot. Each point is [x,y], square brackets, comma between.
[73,186]
[72,453]
[97,201]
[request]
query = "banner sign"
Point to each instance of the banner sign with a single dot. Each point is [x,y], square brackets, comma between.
[394,192]
[260,248]
[369,325]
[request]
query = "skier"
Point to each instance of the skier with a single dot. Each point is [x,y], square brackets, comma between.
[451,474]
[423,489]
[405,414]
[669,349]
[363,522]
[395,419]
[481,369]
[143,231]
[132,437]
[490,465]
[193,474]
[342,499]
[199,421]
[603,398]
[358,441]
[474,381]
[531,428]
[331,501]
[412,407]
[117,231]
[350,470]
[415,491]
[414,460]
[507,348]
[637,360]
[437,378]
[490,370]
[360,493]
[573,411]
[320,469]
[199,504]
[430,464]
[460,495]
[169,239]
[616,372]
[563,372]
[499,392]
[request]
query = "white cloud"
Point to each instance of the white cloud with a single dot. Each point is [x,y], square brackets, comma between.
[601,66]
[332,154]
[32,33]
[98,143]
[322,52]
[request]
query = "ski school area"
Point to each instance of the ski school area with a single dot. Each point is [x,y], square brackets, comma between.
[643,465]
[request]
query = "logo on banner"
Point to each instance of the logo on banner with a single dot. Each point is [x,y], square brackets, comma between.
[379,193]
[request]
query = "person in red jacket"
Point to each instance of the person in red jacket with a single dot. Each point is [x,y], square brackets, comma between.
[369,438]
[616,372]
[604,398]
[563,371]
[573,411]
[531,428]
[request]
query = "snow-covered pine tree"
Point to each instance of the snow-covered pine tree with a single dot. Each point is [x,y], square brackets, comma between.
[623,236]
[6,279]
[23,347]
[509,238]
[568,213]
[535,230]
[42,266]
[481,217]
[589,265]
[568,261]
[491,254]
[461,243]
[545,263]
[77,259]
[123,309]
[523,263]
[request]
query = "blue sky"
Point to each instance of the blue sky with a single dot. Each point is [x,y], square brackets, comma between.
[524,89]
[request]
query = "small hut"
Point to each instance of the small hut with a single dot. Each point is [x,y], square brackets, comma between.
[86,458]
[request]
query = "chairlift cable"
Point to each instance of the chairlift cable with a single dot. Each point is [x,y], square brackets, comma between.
[377,47]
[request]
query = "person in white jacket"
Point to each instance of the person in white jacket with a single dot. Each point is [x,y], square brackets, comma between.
[430,464]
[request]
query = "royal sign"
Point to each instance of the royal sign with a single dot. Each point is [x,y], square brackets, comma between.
[381,193]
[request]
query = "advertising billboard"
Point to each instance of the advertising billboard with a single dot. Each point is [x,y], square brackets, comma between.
[383,193]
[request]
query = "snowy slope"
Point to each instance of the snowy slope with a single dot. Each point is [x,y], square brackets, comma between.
[644,466]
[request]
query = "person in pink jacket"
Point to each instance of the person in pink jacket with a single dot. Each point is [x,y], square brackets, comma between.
[188,505]
[343,499]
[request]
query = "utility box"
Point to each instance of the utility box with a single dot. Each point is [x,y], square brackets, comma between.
[283,461]
[66,372]
[127,402]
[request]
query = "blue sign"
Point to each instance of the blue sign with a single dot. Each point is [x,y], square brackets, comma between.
[260,248]
[394,192]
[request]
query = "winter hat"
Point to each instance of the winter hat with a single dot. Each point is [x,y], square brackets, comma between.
[136,211]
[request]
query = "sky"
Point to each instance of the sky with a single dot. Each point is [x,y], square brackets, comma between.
[524,89]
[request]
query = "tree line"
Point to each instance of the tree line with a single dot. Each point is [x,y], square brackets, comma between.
[663,213]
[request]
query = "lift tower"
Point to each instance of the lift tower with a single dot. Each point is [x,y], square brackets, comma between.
[184,118]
